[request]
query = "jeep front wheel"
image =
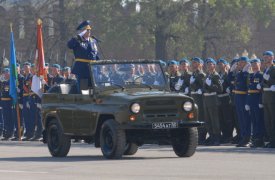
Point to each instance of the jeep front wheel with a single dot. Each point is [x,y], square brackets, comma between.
[112,140]
[130,149]
[58,143]
[185,142]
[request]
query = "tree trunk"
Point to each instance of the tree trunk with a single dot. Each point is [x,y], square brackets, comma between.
[63,33]
[160,45]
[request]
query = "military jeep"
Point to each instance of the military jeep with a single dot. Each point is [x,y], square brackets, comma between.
[126,104]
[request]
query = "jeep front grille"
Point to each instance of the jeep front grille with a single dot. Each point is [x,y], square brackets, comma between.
[160,102]
[160,113]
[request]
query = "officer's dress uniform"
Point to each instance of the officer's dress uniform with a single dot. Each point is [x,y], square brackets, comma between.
[211,105]
[254,101]
[269,103]
[244,120]
[196,90]
[8,110]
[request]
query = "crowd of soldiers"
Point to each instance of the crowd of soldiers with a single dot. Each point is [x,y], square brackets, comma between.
[29,103]
[239,96]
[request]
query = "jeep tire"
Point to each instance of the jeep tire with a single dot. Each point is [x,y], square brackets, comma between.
[186,142]
[130,149]
[112,140]
[58,143]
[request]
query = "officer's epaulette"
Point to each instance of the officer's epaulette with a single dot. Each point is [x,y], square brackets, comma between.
[79,38]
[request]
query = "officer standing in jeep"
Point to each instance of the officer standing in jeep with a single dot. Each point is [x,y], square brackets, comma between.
[85,50]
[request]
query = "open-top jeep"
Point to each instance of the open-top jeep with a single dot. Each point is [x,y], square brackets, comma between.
[127,105]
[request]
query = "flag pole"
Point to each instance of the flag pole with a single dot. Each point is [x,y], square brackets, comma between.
[17,109]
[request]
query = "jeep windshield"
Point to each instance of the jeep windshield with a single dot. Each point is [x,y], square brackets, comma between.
[128,75]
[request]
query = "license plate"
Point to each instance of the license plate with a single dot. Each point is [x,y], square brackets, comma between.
[164,125]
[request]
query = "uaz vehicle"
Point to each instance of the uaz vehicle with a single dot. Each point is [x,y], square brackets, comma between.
[129,104]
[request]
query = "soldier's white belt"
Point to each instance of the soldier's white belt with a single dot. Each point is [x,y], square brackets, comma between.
[223,95]
[210,94]
[267,89]
[194,92]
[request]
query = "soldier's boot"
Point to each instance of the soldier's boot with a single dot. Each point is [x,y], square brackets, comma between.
[245,142]
[257,143]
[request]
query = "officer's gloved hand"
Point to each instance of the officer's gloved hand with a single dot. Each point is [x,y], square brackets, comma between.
[38,105]
[192,79]
[247,67]
[233,67]
[208,82]
[266,76]
[259,86]
[186,90]
[261,106]
[247,107]
[199,91]
[272,88]
[28,105]
[20,106]
[228,90]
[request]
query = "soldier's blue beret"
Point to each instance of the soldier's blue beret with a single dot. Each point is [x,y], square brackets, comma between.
[244,58]
[210,60]
[222,61]
[47,64]
[84,25]
[6,70]
[27,63]
[197,59]
[17,65]
[56,66]
[162,63]
[32,65]
[234,61]
[173,62]
[184,60]
[255,60]
[268,53]
[67,68]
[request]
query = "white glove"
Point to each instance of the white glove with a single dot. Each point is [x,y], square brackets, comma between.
[186,91]
[261,106]
[272,88]
[208,82]
[20,106]
[38,105]
[199,91]
[259,86]
[178,84]
[247,67]
[1,107]
[247,108]
[266,76]
[28,105]
[44,82]
[192,79]
[233,67]
[228,90]
[18,90]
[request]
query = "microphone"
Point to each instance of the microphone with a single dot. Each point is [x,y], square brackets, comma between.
[98,40]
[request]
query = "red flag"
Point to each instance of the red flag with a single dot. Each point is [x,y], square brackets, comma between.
[40,61]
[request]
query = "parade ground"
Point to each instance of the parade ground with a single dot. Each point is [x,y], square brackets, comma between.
[31,160]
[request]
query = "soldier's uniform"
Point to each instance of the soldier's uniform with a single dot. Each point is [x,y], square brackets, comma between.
[173,76]
[254,101]
[240,91]
[269,101]
[184,80]
[212,87]
[85,51]
[57,79]
[196,90]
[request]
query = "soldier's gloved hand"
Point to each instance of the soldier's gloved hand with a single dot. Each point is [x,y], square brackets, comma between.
[259,86]
[199,91]
[233,67]
[38,105]
[208,82]
[178,84]
[192,79]
[18,90]
[28,105]
[1,107]
[177,87]
[228,90]
[266,76]
[247,107]
[186,91]
[261,106]
[247,67]
[272,88]
[20,106]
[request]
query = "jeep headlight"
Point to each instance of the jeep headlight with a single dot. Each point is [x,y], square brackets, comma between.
[135,108]
[187,106]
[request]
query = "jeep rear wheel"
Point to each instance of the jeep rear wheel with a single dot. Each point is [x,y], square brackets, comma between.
[130,149]
[185,142]
[58,143]
[112,140]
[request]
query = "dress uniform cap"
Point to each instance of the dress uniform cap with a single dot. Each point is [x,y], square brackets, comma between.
[222,61]
[255,60]
[6,70]
[184,60]
[56,66]
[244,58]
[173,62]
[84,25]
[27,63]
[197,59]
[268,53]
[210,60]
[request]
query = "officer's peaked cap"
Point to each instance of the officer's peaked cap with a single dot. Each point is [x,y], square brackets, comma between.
[84,25]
